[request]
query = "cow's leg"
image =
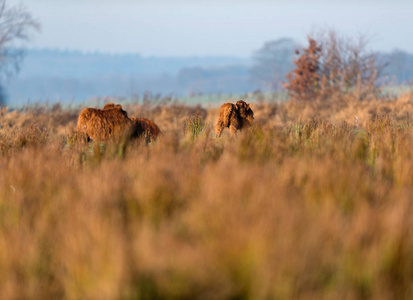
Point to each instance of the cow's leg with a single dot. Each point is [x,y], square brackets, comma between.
[219,128]
[233,130]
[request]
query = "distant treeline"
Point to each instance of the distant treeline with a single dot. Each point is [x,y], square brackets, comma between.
[76,76]
[399,67]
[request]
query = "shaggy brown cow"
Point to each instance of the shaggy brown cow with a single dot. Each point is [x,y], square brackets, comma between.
[112,105]
[235,117]
[146,128]
[104,124]
[141,126]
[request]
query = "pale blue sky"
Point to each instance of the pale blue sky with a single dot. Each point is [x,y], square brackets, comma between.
[182,28]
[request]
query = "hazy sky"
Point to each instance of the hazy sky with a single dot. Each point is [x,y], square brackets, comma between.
[214,27]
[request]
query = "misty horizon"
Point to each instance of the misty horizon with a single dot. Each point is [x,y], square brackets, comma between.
[148,56]
[76,76]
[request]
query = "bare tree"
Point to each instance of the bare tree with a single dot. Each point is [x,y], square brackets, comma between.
[347,66]
[16,26]
[333,65]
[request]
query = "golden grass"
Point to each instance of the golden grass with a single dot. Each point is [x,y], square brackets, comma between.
[307,204]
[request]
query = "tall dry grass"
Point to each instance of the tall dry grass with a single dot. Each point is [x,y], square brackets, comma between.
[307,204]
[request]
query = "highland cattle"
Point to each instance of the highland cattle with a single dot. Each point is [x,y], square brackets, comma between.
[141,127]
[235,117]
[111,122]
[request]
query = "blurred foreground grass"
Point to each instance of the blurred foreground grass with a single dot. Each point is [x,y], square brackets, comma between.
[307,204]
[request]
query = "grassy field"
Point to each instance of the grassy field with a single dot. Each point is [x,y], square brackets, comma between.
[307,204]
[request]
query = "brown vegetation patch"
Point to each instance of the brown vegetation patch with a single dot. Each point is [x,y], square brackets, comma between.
[198,219]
